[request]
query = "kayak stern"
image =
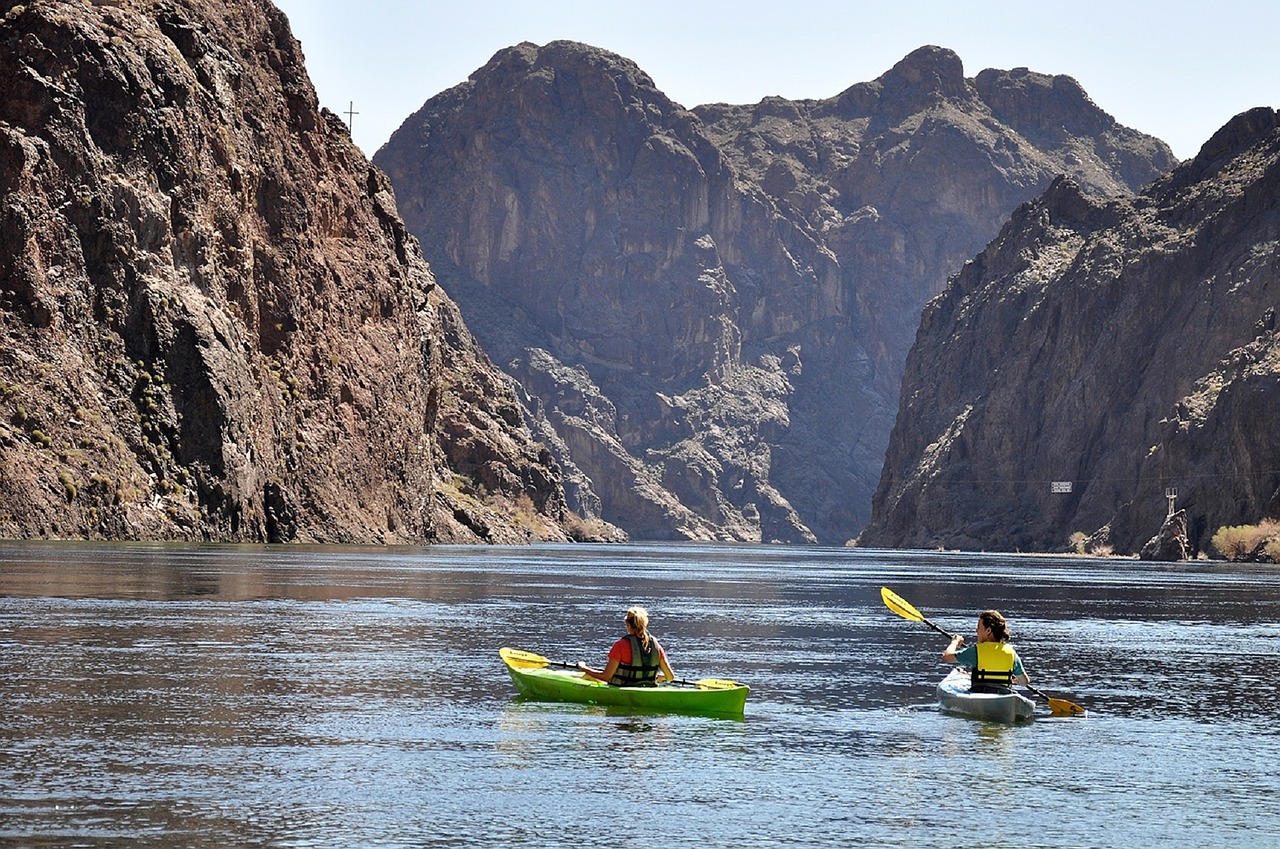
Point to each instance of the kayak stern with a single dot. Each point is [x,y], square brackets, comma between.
[954,697]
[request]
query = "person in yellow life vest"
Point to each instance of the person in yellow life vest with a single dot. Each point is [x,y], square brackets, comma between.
[994,663]
[636,659]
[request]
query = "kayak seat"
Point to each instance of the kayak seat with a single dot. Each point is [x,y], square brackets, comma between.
[994,689]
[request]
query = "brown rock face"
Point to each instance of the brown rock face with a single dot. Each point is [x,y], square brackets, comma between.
[215,325]
[1126,347]
[711,309]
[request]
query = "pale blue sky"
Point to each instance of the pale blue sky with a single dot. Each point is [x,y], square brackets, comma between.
[1178,70]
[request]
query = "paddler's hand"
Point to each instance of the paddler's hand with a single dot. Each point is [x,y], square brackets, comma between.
[949,655]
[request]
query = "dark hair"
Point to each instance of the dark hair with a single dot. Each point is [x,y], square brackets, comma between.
[993,620]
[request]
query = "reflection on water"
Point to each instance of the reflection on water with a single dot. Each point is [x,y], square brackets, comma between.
[212,696]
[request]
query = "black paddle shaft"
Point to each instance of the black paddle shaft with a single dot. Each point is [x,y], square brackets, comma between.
[947,634]
[564,665]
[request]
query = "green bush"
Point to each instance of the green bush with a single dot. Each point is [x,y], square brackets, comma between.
[1240,542]
[69,486]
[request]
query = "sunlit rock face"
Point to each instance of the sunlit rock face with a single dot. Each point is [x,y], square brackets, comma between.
[215,324]
[1127,348]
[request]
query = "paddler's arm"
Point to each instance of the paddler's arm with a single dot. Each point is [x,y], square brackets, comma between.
[1020,675]
[606,676]
[949,656]
[666,668]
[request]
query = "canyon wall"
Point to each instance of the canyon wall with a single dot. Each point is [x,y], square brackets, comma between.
[709,310]
[1122,348]
[214,324]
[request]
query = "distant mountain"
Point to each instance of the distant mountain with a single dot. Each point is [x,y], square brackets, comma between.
[213,322]
[1122,348]
[709,311]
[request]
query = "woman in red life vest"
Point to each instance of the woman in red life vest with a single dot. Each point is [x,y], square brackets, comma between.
[636,659]
[996,666]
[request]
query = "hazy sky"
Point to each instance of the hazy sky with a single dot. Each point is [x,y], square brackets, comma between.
[1175,69]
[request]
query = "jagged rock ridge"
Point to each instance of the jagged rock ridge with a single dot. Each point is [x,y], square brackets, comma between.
[1125,347]
[215,324]
[709,310]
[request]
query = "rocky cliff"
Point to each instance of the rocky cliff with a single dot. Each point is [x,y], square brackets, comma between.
[1123,347]
[215,324]
[709,310]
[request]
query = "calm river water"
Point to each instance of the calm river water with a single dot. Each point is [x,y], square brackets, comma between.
[202,696]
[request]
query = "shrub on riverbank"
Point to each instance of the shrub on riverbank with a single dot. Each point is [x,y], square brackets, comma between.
[1259,543]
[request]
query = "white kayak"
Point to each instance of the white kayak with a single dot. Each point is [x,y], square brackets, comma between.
[1009,707]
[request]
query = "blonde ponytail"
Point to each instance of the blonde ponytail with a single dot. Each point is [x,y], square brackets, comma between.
[638,621]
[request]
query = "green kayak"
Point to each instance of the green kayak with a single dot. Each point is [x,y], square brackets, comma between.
[534,680]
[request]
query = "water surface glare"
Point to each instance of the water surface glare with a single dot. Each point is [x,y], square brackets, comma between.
[201,696]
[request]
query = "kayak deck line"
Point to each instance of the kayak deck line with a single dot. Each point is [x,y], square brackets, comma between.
[954,697]
[564,685]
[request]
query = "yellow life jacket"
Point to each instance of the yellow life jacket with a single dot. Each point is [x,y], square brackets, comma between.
[995,665]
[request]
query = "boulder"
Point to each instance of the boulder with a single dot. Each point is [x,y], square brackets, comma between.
[1170,543]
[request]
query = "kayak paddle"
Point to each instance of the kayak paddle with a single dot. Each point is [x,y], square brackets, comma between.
[529,660]
[903,608]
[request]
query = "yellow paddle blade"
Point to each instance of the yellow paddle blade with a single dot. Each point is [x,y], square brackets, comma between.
[717,684]
[1059,707]
[900,605]
[523,659]
[1062,707]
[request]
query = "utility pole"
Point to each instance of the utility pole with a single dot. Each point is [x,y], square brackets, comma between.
[351,106]
[1171,493]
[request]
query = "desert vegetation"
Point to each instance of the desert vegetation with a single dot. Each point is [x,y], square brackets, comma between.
[1257,543]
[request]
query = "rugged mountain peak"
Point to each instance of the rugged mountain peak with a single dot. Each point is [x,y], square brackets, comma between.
[571,58]
[1065,205]
[732,298]
[1041,106]
[1065,199]
[922,79]
[1237,135]
[924,73]
[574,78]
[601,155]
